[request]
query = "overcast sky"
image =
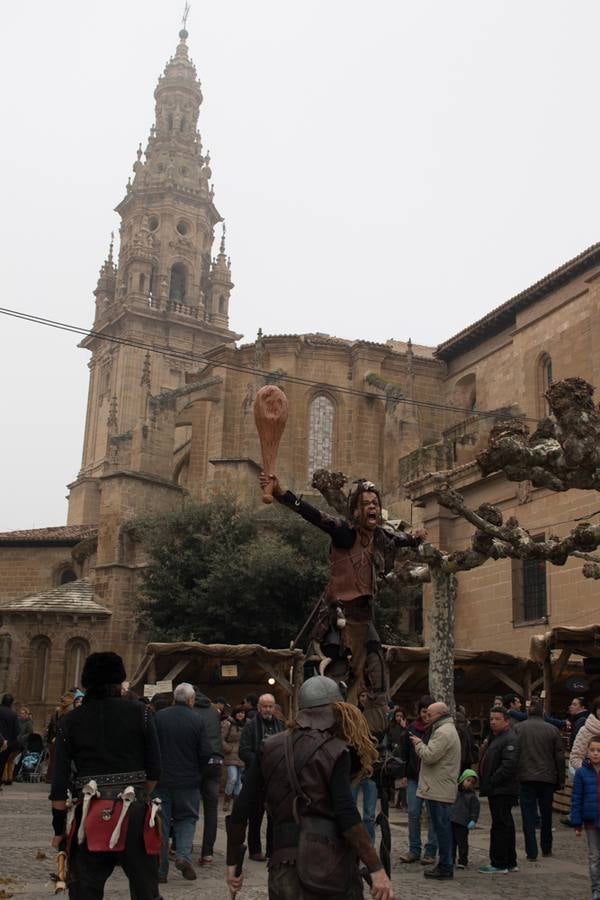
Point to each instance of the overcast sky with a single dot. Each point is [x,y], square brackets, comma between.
[386,169]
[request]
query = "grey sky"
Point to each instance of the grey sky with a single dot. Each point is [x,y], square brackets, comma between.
[388,169]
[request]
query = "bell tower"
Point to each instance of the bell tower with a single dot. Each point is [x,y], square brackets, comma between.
[166,291]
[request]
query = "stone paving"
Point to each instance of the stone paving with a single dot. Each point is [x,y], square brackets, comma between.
[26,861]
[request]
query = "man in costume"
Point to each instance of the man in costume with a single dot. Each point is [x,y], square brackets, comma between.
[304,773]
[107,752]
[361,550]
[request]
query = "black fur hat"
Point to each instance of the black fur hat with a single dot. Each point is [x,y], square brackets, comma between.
[102,668]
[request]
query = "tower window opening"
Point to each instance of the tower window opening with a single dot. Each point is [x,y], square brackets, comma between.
[183,227]
[142,281]
[170,121]
[222,305]
[177,286]
[153,223]
[182,124]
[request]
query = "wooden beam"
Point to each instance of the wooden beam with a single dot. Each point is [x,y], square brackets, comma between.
[177,669]
[280,679]
[507,680]
[561,663]
[401,679]
[537,683]
[547,685]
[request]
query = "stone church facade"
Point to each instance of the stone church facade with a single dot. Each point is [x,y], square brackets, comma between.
[169,418]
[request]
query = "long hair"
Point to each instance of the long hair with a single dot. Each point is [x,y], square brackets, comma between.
[353,728]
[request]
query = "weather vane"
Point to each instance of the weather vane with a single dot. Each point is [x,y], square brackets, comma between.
[186,12]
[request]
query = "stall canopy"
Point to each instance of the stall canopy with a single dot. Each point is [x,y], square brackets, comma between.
[223,670]
[570,657]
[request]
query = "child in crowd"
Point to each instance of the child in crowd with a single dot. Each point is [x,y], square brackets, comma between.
[464,815]
[585,809]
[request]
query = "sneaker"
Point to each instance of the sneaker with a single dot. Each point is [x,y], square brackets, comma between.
[513,868]
[460,865]
[492,870]
[436,872]
[428,860]
[205,860]
[410,858]
[186,869]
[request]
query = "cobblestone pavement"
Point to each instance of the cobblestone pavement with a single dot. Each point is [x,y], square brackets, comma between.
[25,835]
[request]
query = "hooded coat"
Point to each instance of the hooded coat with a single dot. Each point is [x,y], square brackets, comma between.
[589,729]
[440,762]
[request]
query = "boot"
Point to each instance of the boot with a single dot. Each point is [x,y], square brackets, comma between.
[226,803]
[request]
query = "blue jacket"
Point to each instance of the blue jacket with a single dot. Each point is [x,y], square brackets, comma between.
[584,800]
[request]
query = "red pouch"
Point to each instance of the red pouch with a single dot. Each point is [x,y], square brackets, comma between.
[152,835]
[100,823]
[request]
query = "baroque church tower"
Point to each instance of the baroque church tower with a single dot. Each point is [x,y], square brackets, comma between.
[165,293]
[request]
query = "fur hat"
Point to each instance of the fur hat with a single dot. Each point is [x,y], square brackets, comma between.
[102,668]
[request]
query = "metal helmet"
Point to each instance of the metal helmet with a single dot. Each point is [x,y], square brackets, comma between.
[318,691]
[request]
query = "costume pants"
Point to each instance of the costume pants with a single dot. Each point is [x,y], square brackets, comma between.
[3,761]
[257,812]
[439,815]
[88,872]
[233,785]
[209,788]
[284,884]
[503,851]
[460,843]
[593,839]
[532,793]
[369,792]
[181,806]
[415,808]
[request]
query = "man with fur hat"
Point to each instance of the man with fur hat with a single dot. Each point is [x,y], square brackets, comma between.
[305,773]
[111,742]
[361,550]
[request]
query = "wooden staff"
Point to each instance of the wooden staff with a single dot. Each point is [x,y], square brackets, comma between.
[270,416]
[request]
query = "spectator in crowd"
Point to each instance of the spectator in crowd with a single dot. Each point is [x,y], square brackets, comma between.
[185,750]
[250,703]
[585,809]
[541,771]
[223,708]
[263,725]
[417,728]
[576,716]
[9,729]
[499,783]
[585,726]
[25,725]
[440,759]
[397,732]
[211,774]
[464,815]
[468,753]
[231,732]
[512,702]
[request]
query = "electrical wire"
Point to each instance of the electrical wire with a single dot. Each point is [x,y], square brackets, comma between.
[248,370]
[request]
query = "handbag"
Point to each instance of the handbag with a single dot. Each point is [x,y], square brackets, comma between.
[324,860]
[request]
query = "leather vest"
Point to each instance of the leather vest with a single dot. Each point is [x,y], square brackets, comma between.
[315,755]
[351,573]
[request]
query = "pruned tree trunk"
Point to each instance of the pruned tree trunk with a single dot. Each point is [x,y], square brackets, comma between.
[441,643]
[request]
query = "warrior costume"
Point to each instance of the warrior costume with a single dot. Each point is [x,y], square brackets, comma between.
[321,762]
[109,742]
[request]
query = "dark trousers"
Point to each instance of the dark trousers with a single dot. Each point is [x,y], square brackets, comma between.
[209,789]
[503,850]
[460,843]
[88,872]
[532,793]
[255,818]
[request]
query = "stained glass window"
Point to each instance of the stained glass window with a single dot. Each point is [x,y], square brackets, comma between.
[320,434]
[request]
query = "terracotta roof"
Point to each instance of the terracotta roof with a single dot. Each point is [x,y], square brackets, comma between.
[503,315]
[56,534]
[76,597]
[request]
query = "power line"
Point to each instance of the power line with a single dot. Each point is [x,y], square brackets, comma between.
[248,370]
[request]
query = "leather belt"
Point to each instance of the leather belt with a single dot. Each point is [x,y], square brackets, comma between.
[118,779]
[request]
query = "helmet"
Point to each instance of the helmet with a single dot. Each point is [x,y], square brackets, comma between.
[318,691]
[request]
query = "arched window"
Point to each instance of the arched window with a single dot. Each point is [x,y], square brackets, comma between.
[465,394]
[170,121]
[177,286]
[320,434]
[222,305]
[544,380]
[39,652]
[5,648]
[142,282]
[182,124]
[67,575]
[76,652]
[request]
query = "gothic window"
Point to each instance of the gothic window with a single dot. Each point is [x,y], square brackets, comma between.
[76,652]
[320,434]
[222,305]
[5,648]
[530,597]
[177,287]
[170,121]
[39,652]
[142,282]
[544,380]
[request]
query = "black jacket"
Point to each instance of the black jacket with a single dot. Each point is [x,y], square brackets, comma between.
[409,754]
[211,719]
[465,808]
[184,746]
[104,737]
[498,766]
[541,754]
[254,733]
[9,727]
